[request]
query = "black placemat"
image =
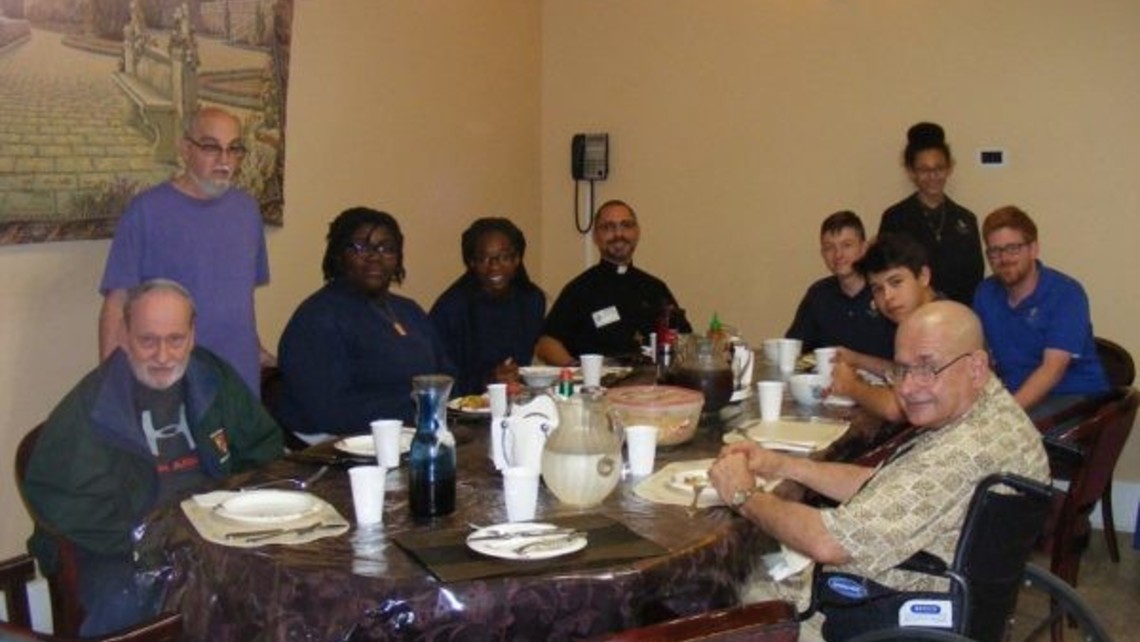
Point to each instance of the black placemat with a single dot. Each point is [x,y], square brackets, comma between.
[446,556]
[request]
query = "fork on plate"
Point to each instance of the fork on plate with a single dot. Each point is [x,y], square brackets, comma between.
[299,484]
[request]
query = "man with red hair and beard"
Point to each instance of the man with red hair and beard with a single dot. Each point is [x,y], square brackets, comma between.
[1036,320]
[157,420]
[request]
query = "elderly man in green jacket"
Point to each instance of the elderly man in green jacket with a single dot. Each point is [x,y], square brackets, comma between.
[156,420]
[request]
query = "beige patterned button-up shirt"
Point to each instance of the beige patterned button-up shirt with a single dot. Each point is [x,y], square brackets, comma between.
[918,500]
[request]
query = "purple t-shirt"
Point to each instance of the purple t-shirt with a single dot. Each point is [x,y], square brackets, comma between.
[213,247]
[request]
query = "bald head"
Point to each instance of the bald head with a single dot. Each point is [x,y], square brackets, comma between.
[944,338]
[956,326]
[202,119]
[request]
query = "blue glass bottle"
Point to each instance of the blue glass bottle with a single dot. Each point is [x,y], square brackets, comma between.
[431,462]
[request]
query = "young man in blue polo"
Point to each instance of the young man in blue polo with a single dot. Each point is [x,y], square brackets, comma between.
[1036,320]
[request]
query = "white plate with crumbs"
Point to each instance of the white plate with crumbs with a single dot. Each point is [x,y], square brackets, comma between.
[471,404]
[365,445]
[686,481]
[268,506]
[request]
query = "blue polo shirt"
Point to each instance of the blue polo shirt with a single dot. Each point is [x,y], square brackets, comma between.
[1055,315]
[828,317]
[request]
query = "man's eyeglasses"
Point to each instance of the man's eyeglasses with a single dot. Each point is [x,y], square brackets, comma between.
[214,151]
[923,374]
[373,249]
[502,258]
[613,226]
[1011,249]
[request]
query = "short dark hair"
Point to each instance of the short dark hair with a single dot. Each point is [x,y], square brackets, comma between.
[888,251]
[469,242]
[839,221]
[340,237]
[1012,217]
[923,136]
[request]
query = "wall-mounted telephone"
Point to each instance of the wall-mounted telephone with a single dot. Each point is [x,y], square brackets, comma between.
[590,157]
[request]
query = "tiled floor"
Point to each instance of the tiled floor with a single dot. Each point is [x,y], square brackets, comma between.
[1112,590]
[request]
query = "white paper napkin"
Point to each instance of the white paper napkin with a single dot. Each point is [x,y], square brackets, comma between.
[199,509]
[786,563]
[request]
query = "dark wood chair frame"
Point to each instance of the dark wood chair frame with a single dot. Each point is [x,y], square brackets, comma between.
[1085,454]
[63,584]
[1121,371]
[771,621]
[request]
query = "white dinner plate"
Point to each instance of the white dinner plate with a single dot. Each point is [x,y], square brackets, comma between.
[456,404]
[365,445]
[796,436]
[268,506]
[508,548]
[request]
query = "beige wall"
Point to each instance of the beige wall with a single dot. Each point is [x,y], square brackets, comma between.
[427,110]
[736,125]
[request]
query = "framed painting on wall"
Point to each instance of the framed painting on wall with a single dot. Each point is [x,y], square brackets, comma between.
[93,96]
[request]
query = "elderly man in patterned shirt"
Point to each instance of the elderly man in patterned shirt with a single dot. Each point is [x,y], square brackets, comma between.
[917,501]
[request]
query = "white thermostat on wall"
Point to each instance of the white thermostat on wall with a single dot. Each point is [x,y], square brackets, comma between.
[992,157]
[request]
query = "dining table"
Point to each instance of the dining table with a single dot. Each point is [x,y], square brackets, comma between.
[408,579]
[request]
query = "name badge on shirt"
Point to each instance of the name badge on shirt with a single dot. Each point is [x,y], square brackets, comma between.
[606,316]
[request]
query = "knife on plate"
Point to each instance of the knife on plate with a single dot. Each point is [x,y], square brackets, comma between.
[500,536]
[257,536]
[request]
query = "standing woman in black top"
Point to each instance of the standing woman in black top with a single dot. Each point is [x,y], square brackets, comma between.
[948,231]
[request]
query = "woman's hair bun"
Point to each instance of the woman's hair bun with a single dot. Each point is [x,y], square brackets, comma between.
[925,135]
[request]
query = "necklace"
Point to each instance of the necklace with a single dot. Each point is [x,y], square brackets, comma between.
[928,216]
[385,310]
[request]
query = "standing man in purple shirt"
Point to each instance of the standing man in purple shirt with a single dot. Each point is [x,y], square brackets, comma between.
[198,230]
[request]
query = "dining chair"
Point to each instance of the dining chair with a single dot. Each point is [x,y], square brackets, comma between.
[63,583]
[772,621]
[1121,372]
[1086,455]
[165,628]
[15,574]
[272,387]
[1117,362]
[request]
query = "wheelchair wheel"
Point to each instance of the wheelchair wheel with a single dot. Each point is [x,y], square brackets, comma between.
[1050,609]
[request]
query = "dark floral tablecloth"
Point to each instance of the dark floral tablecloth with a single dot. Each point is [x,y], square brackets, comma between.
[363,586]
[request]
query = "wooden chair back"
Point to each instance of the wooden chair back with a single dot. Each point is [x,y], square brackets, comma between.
[63,585]
[772,621]
[272,387]
[1086,455]
[164,628]
[1117,362]
[15,574]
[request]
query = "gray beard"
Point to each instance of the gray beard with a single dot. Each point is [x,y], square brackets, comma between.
[211,188]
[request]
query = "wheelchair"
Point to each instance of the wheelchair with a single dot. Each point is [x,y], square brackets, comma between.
[1003,523]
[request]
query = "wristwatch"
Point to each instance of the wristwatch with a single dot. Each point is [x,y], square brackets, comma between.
[741,497]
